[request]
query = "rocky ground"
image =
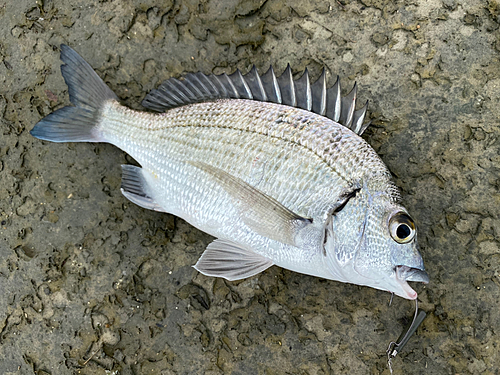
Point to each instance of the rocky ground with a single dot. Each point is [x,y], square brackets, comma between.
[92,284]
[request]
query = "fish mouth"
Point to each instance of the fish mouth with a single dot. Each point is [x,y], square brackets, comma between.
[405,274]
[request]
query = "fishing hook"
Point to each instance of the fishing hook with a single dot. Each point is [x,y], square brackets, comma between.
[396,346]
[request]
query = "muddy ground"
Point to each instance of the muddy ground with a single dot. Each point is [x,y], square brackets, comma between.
[92,284]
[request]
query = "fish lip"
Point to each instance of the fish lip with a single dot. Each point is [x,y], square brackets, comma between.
[412,274]
[417,275]
[405,274]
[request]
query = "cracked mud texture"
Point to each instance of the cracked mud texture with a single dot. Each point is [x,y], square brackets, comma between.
[92,284]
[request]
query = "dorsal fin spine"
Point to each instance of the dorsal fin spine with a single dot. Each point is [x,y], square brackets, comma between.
[308,90]
[287,87]
[201,84]
[180,97]
[217,82]
[209,85]
[291,84]
[318,92]
[190,79]
[237,74]
[259,82]
[276,86]
[271,86]
[348,103]
[183,87]
[338,100]
[167,96]
[358,119]
[232,86]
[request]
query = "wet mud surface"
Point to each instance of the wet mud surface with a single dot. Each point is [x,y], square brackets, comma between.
[92,284]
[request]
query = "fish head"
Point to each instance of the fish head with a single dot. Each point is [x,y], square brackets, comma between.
[373,242]
[389,249]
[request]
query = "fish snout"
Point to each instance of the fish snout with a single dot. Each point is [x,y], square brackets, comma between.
[412,274]
[417,275]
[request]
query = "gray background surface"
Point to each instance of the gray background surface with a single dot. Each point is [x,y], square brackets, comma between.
[84,273]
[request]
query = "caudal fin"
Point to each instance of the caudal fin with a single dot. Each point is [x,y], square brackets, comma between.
[87,92]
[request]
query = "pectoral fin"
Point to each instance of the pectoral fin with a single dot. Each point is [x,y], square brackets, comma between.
[227,259]
[260,212]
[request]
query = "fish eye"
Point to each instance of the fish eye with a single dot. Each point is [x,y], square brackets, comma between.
[402,227]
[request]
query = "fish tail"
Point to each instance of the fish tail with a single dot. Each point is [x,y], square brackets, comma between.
[88,93]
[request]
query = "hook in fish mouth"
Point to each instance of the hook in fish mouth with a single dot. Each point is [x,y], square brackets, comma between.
[405,274]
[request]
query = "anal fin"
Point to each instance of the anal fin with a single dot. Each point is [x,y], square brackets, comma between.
[227,259]
[134,188]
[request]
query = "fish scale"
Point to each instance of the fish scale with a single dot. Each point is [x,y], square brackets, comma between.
[274,168]
[238,114]
[285,182]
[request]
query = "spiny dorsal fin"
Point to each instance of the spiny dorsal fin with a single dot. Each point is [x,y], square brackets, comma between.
[301,93]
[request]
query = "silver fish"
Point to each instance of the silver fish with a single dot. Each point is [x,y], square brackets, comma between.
[274,168]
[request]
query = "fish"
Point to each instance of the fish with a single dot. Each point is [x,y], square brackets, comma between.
[273,167]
